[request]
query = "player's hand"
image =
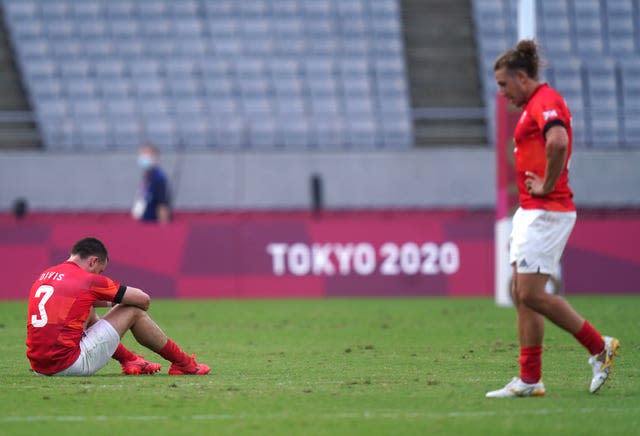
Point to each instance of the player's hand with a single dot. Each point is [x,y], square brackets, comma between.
[534,184]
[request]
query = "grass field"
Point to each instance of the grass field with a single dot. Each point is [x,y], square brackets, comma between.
[336,366]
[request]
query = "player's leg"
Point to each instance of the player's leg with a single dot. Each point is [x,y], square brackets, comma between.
[532,294]
[131,364]
[530,330]
[530,333]
[150,335]
[547,235]
[96,348]
[602,349]
[530,324]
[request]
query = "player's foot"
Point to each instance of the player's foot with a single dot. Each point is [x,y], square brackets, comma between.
[518,388]
[191,367]
[602,363]
[139,366]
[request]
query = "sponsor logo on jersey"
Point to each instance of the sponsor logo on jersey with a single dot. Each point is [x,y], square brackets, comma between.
[550,114]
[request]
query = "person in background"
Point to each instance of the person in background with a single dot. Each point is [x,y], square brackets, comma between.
[543,222]
[153,202]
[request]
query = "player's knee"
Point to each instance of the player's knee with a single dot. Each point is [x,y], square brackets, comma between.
[138,312]
[529,298]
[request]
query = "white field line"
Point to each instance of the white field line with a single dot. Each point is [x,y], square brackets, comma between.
[319,416]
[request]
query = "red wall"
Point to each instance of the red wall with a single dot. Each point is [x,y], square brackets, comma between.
[271,254]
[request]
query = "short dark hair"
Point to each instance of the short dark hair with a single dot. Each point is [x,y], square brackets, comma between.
[90,247]
[523,57]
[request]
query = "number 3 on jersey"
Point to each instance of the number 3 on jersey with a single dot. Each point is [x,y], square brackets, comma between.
[44,291]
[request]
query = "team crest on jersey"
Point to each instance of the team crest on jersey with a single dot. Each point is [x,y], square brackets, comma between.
[550,114]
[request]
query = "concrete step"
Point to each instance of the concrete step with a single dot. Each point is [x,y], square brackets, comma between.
[443,71]
[450,132]
[12,139]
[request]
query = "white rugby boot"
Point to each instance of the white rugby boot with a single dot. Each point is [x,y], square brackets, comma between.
[602,363]
[518,388]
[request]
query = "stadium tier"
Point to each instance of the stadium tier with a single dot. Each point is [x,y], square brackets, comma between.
[258,74]
[593,52]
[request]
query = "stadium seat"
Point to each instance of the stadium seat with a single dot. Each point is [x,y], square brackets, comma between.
[93,133]
[362,131]
[160,130]
[80,88]
[122,27]
[187,107]
[148,86]
[121,107]
[260,60]
[129,49]
[120,8]
[153,106]
[183,87]
[108,68]
[16,9]
[603,104]
[262,132]
[34,49]
[630,85]
[329,131]
[630,91]
[567,78]
[46,88]
[114,87]
[295,131]
[229,132]
[86,10]
[620,28]
[326,105]
[194,132]
[215,86]
[223,105]
[126,133]
[98,48]
[57,134]
[396,130]
[183,8]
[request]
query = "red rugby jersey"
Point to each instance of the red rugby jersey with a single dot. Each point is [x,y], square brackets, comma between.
[545,109]
[60,302]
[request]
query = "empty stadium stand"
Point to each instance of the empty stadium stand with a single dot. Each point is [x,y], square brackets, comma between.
[17,126]
[259,74]
[593,51]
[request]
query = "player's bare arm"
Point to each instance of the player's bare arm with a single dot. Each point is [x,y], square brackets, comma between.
[556,149]
[136,297]
[164,213]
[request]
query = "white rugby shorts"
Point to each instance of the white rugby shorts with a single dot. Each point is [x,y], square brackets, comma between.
[538,238]
[96,348]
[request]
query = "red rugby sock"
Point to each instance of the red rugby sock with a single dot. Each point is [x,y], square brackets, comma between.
[531,364]
[590,338]
[172,352]
[122,354]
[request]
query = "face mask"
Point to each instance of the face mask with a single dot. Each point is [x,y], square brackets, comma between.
[144,161]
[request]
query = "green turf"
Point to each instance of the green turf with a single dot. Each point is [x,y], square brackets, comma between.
[336,366]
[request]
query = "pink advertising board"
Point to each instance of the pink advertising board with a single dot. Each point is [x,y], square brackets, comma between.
[257,255]
[296,254]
